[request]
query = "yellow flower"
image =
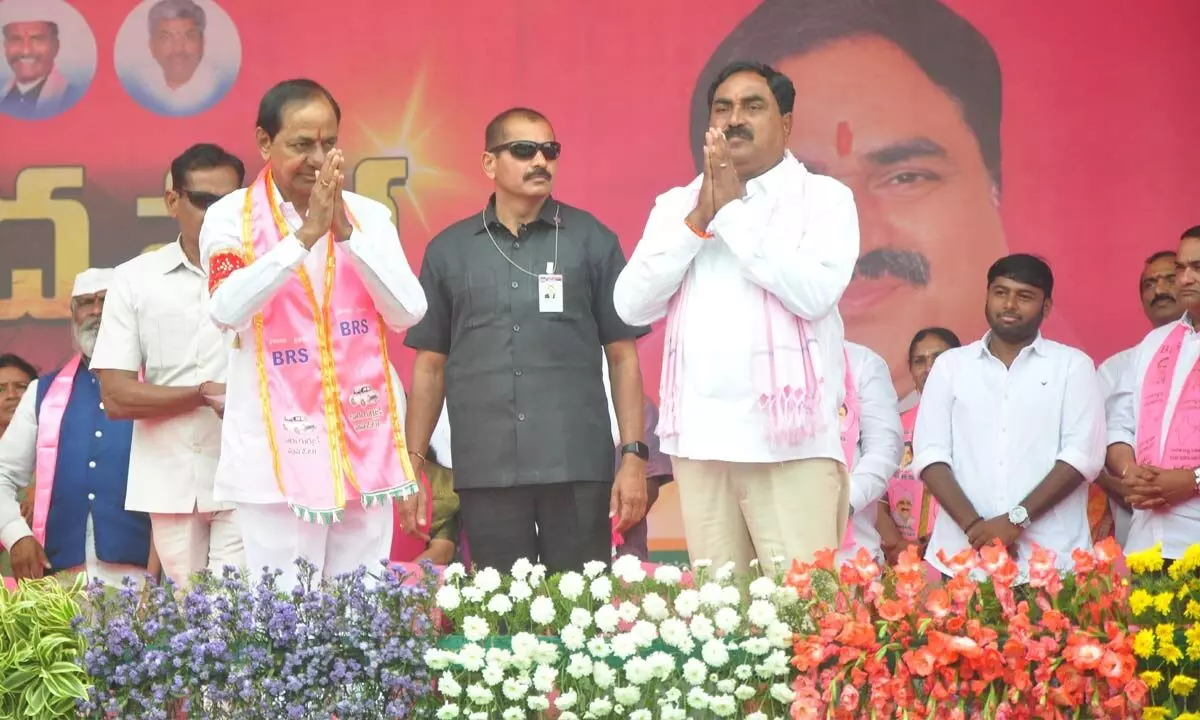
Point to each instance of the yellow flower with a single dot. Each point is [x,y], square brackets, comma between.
[1162,602]
[1188,716]
[1155,713]
[1152,678]
[1143,643]
[1170,653]
[1139,600]
[1165,632]
[1192,612]
[1187,564]
[1145,561]
[1183,685]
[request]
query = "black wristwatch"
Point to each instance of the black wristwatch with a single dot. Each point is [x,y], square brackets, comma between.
[638,448]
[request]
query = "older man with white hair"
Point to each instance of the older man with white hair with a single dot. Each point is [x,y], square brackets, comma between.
[81,458]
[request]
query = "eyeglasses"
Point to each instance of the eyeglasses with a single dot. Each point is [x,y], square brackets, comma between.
[528,149]
[201,200]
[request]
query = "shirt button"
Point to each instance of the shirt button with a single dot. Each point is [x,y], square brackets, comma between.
[514,284]
[92,464]
[517,373]
[516,245]
[101,406]
[196,448]
[516,328]
[521,417]
[91,496]
[99,434]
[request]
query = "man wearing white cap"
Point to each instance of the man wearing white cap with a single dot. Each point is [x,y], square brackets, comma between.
[81,459]
[37,89]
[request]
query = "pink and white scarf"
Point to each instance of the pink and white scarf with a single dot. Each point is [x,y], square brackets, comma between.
[50,417]
[786,373]
[1182,446]
[324,380]
[850,429]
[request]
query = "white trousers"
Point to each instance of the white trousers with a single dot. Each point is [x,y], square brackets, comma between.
[190,542]
[96,569]
[275,538]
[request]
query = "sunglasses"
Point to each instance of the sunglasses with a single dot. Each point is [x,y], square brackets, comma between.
[528,149]
[201,200]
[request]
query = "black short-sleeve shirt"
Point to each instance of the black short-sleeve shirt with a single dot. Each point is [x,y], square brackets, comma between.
[523,387]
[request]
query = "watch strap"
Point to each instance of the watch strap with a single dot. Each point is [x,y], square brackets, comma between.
[638,448]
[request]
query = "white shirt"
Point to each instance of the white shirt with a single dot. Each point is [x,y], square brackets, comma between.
[1179,526]
[756,247]
[18,455]
[880,444]
[1111,370]
[195,94]
[244,473]
[156,319]
[1001,430]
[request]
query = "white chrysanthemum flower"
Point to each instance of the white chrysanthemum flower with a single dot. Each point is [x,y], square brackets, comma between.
[673,631]
[668,575]
[602,588]
[763,588]
[743,672]
[603,675]
[454,571]
[694,671]
[579,666]
[726,685]
[492,675]
[687,603]
[744,692]
[641,714]
[499,604]
[638,671]
[523,647]
[499,656]
[662,665]
[520,591]
[629,569]
[448,686]
[521,569]
[723,706]
[714,653]
[673,696]
[782,693]
[644,632]
[488,580]
[581,618]
[757,645]
[479,695]
[541,610]
[628,611]
[731,596]
[775,664]
[710,595]
[787,596]
[573,638]
[513,713]
[780,635]
[607,619]
[757,715]
[593,568]
[571,585]
[515,689]
[697,699]
[567,700]
[537,574]
[702,563]
[627,695]
[673,712]
[728,620]
[600,707]
[438,659]
[448,598]
[449,711]
[475,628]
[568,715]
[478,715]
[546,653]
[624,646]
[471,657]
[599,647]
[725,572]
[538,703]
[544,678]
[762,614]
[655,607]
[702,628]
[473,594]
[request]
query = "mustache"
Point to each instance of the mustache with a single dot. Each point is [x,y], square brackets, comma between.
[909,266]
[1162,296]
[539,172]
[738,131]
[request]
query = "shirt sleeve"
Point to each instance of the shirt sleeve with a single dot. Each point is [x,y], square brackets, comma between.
[1081,444]
[807,274]
[18,452]
[932,435]
[433,331]
[118,346]
[606,266]
[880,433]
[658,265]
[378,256]
[1119,411]
[239,289]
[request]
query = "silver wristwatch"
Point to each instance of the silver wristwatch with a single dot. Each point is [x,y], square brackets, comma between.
[1019,516]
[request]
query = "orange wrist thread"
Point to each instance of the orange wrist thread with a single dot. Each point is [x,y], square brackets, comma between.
[699,233]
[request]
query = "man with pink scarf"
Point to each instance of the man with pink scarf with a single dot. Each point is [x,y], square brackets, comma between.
[306,279]
[61,434]
[747,263]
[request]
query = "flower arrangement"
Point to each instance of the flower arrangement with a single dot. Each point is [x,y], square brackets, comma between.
[40,676]
[637,642]
[225,648]
[1165,604]
[890,646]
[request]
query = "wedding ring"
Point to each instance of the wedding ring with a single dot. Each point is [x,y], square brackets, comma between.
[723,165]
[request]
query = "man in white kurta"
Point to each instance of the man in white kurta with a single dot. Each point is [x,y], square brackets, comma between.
[1011,430]
[297,135]
[756,234]
[1164,495]
[877,449]
[156,323]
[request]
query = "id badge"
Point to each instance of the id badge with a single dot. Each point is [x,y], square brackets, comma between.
[550,293]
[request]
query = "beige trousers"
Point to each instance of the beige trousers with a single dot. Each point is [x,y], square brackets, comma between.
[741,511]
[190,542]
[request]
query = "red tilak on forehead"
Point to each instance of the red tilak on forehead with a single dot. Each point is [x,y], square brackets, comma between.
[844,140]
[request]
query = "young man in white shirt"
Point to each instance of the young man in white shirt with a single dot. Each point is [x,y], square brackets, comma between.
[1161,306]
[1154,422]
[748,262]
[306,279]
[1011,429]
[156,324]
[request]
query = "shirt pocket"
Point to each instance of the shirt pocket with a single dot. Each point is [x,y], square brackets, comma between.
[481,299]
[170,339]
